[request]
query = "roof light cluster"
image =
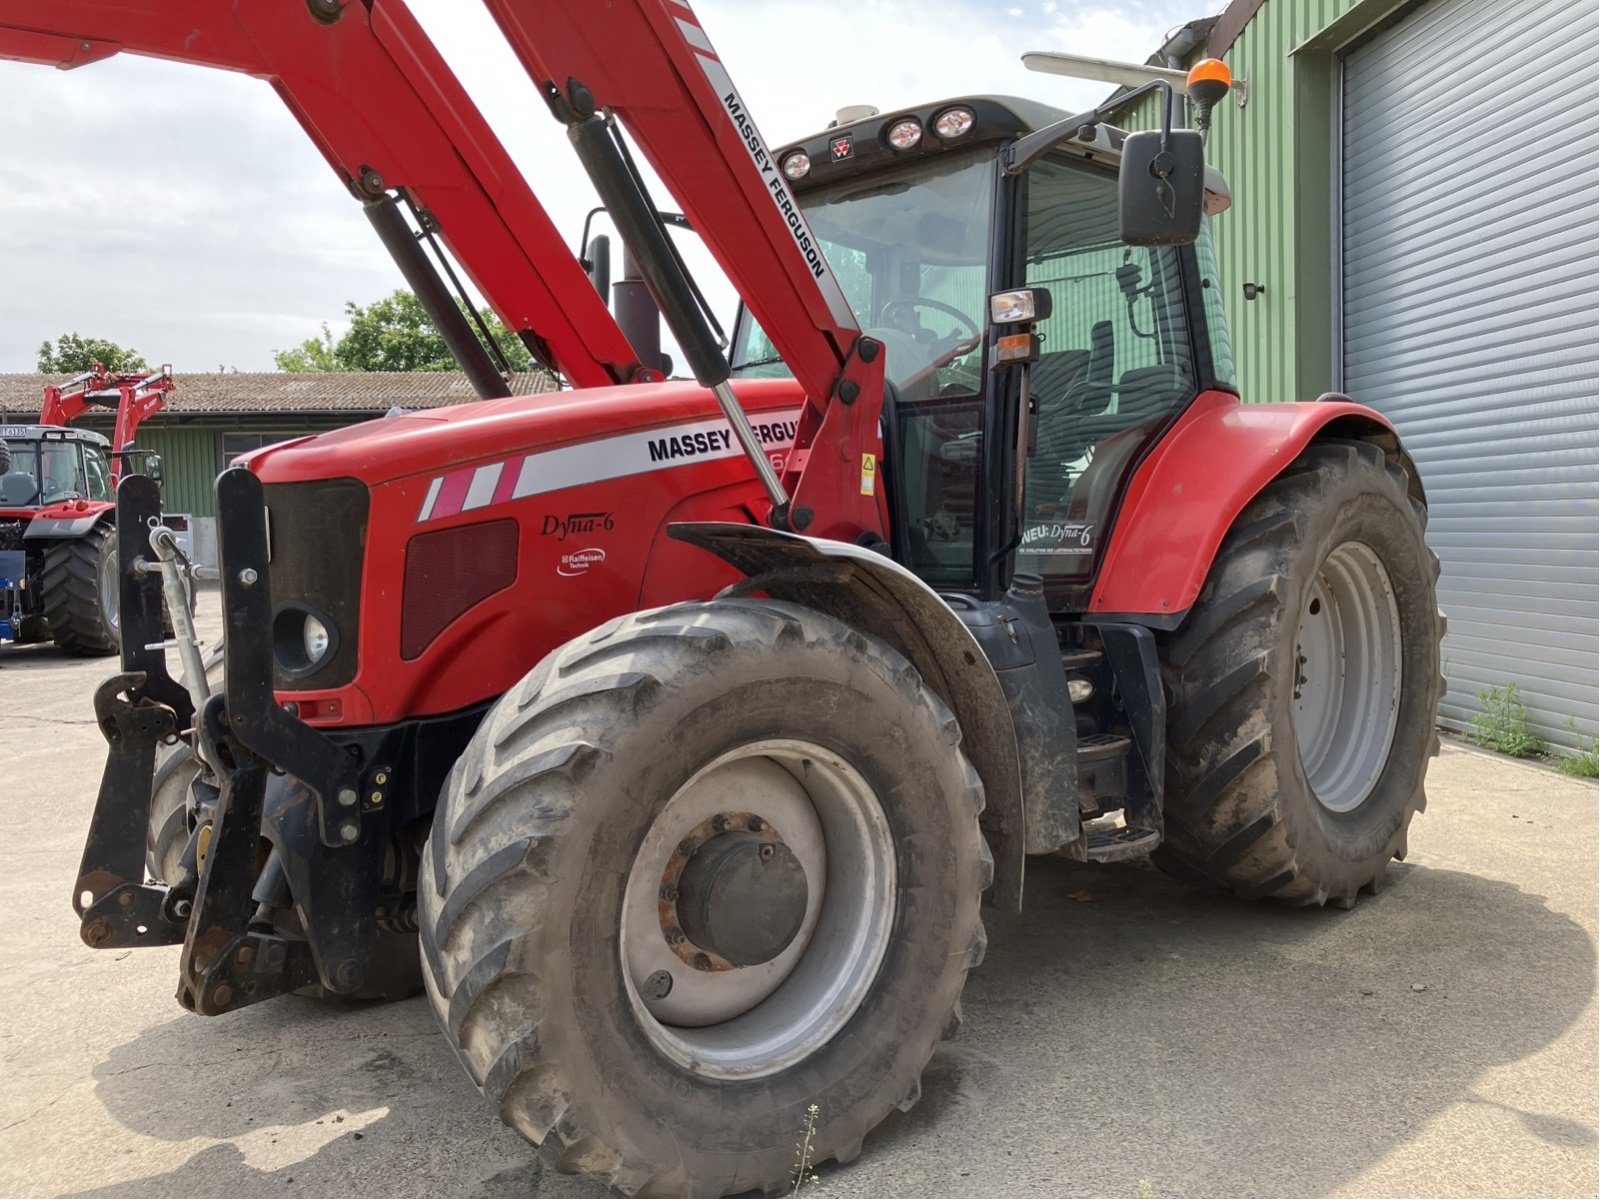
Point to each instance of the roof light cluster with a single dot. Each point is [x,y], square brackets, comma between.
[906,134]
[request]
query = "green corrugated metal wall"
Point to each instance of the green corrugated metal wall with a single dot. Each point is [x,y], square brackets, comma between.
[1277,155]
[189,464]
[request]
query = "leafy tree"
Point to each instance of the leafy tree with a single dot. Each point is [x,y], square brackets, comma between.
[74,354]
[392,334]
[313,354]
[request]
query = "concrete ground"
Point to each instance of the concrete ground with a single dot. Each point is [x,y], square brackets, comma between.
[1127,1035]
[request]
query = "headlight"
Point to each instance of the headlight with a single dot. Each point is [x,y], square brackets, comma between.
[315,637]
[953,123]
[303,641]
[903,135]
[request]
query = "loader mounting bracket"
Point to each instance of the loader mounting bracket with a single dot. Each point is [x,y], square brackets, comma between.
[116,906]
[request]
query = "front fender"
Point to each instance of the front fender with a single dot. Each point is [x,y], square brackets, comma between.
[880,597]
[1184,497]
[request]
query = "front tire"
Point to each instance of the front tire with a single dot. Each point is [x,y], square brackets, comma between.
[80,593]
[1304,687]
[671,1035]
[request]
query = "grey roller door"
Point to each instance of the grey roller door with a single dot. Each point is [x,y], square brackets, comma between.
[1469,266]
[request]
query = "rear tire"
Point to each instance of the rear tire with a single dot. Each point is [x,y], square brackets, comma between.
[81,610]
[1303,687]
[548,845]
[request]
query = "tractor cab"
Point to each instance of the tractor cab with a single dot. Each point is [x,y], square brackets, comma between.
[52,466]
[924,215]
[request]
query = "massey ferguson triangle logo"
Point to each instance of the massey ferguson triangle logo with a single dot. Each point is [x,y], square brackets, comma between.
[843,146]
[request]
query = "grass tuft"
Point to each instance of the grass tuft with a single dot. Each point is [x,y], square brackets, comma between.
[1503,724]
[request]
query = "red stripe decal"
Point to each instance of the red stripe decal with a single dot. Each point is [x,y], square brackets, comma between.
[509,472]
[451,493]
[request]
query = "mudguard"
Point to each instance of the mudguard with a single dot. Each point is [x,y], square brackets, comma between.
[1186,494]
[70,525]
[878,596]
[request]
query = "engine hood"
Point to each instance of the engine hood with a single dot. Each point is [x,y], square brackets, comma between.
[396,447]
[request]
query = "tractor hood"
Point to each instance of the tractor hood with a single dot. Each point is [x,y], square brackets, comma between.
[426,443]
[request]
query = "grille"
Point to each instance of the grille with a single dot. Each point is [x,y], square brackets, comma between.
[319,537]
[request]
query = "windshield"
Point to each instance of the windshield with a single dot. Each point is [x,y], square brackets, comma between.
[43,474]
[911,252]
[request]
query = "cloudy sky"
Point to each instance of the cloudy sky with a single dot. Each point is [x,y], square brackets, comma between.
[182,211]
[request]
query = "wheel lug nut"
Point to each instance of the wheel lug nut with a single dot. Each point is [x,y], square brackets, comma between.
[719,823]
[757,825]
[702,962]
[686,848]
[669,893]
[675,937]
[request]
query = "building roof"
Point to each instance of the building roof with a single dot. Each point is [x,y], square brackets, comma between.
[355,392]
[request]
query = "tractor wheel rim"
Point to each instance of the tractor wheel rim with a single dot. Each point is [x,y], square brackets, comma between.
[1347,688]
[724,1021]
[110,594]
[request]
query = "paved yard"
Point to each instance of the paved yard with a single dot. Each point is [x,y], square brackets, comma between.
[1437,1040]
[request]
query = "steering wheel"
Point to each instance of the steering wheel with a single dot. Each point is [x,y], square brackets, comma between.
[949,310]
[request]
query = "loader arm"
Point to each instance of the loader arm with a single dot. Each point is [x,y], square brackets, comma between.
[376,97]
[652,65]
[136,396]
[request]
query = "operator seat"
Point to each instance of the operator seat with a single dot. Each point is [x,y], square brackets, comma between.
[17,489]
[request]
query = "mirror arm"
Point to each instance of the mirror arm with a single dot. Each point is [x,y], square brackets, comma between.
[1026,151]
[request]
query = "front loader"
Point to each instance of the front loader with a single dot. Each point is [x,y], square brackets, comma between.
[671,735]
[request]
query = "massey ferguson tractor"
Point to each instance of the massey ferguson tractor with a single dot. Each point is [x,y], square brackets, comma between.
[57,518]
[673,734]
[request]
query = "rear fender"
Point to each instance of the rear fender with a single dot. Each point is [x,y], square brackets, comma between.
[880,597]
[63,523]
[1187,493]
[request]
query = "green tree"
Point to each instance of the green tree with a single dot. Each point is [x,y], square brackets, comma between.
[74,354]
[392,334]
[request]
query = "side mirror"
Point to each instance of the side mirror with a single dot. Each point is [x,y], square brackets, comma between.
[1161,192]
[155,467]
[598,266]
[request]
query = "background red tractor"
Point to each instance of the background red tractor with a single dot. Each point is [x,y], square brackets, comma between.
[57,516]
[671,735]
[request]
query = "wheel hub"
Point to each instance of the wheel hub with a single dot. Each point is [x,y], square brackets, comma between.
[758,909]
[741,899]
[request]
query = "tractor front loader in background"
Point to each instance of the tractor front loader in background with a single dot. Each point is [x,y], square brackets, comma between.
[672,734]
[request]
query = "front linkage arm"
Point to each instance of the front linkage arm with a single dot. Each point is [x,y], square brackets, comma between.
[328,833]
[135,710]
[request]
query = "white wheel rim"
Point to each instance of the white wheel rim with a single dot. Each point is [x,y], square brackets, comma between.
[1348,676]
[747,1022]
[110,588]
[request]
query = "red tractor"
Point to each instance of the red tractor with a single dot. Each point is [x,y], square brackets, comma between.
[57,516]
[671,735]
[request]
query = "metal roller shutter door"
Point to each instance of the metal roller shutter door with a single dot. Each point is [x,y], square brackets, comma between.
[1469,268]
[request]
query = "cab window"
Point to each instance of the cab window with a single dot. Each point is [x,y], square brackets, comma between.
[1115,362]
[61,472]
[99,474]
